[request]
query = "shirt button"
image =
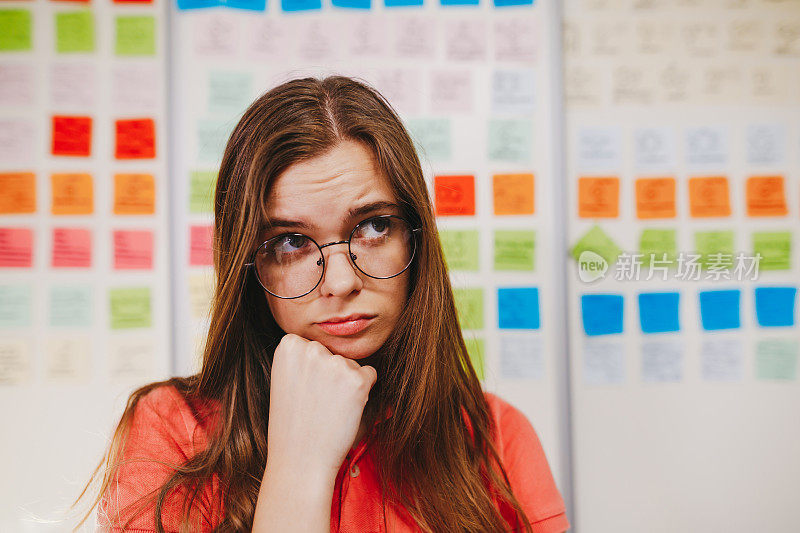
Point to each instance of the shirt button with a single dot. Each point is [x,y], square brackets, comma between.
[354,470]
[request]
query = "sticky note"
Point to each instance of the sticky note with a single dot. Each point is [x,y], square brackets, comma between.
[597,241]
[765,197]
[133,1]
[709,197]
[461,249]
[70,306]
[716,248]
[352,4]
[598,197]
[16,357]
[135,139]
[402,3]
[502,3]
[454,195]
[469,306]
[658,245]
[599,149]
[766,143]
[130,307]
[72,248]
[603,363]
[476,350]
[459,2]
[75,31]
[719,309]
[659,312]
[662,361]
[775,249]
[133,249]
[17,193]
[229,91]
[514,249]
[722,359]
[131,358]
[197,4]
[522,356]
[654,149]
[518,307]
[510,140]
[602,314]
[655,198]
[775,306]
[17,84]
[72,194]
[212,136]
[72,136]
[134,194]
[201,251]
[432,137]
[513,194]
[135,36]
[15,30]
[514,91]
[18,141]
[776,359]
[67,359]
[15,306]
[201,291]
[707,146]
[451,91]
[201,191]
[16,247]
[300,5]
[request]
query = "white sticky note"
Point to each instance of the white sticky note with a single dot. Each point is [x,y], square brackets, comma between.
[722,359]
[451,91]
[707,147]
[131,358]
[314,39]
[662,361]
[603,363]
[73,85]
[216,33]
[135,87]
[402,87]
[17,141]
[465,39]
[17,83]
[15,362]
[364,35]
[522,357]
[632,84]
[68,359]
[71,306]
[15,306]
[266,38]
[599,149]
[584,85]
[201,289]
[516,38]
[766,144]
[414,36]
[654,149]
[513,91]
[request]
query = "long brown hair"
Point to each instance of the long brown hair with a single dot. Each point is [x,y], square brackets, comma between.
[446,473]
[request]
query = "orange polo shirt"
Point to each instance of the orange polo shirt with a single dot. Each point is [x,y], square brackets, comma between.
[168,429]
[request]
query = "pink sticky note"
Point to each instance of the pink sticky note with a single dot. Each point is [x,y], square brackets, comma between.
[72,248]
[16,247]
[133,249]
[200,246]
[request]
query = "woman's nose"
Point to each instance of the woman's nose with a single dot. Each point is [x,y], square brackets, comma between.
[340,277]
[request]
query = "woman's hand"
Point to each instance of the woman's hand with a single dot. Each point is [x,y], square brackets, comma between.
[316,402]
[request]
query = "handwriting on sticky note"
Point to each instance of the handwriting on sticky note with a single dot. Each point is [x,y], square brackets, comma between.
[201,251]
[598,197]
[15,306]
[655,198]
[765,197]
[134,194]
[72,194]
[201,191]
[510,140]
[513,194]
[454,195]
[432,137]
[71,306]
[67,359]
[469,306]
[72,248]
[461,249]
[777,359]
[514,249]
[72,136]
[774,249]
[130,307]
[17,193]
[135,139]
[715,247]
[133,250]
[709,197]
[135,36]
[16,247]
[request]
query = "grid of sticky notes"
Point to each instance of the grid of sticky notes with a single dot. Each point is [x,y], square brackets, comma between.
[80,164]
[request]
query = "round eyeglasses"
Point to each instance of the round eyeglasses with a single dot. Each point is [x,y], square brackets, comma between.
[291,265]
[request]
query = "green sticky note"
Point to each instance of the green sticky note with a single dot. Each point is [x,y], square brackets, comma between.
[595,240]
[775,248]
[461,249]
[130,308]
[514,249]
[15,30]
[201,191]
[15,306]
[475,349]
[71,306]
[469,305]
[655,243]
[716,249]
[136,36]
[431,138]
[776,359]
[229,92]
[510,140]
[75,31]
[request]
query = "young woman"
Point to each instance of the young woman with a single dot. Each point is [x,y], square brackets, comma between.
[336,393]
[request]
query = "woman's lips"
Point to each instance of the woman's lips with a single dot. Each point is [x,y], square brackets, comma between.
[349,327]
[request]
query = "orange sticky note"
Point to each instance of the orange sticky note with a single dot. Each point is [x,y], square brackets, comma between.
[16,247]
[766,197]
[709,197]
[513,194]
[454,195]
[134,194]
[17,193]
[136,139]
[72,136]
[73,194]
[598,197]
[655,198]
[72,248]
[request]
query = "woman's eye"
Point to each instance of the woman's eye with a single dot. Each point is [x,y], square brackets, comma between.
[376,227]
[290,244]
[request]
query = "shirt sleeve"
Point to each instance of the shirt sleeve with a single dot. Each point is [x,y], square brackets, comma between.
[162,433]
[528,470]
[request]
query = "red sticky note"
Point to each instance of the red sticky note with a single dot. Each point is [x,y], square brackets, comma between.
[201,246]
[133,249]
[72,136]
[136,139]
[16,247]
[454,195]
[72,248]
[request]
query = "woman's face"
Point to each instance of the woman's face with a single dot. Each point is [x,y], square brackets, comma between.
[318,195]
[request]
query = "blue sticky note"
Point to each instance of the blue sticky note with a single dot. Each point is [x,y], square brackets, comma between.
[720,309]
[775,306]
[402,3]
[602,313]
[196,4]
[518,307]
[300,5]
[352,4]
[253,5]
[502,3]
[658,312]
[459,2]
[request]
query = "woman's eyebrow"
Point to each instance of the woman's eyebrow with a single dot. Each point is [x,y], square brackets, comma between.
[352,213]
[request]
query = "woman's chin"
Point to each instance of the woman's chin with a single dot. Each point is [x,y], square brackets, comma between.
[349,347]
